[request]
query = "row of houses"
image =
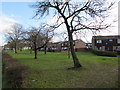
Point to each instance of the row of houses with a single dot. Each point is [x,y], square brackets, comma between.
[79,45]
[104,43]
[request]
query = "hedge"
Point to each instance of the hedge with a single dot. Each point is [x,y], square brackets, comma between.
[105,53]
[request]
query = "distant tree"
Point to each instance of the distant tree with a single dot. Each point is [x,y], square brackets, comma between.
[32,37]
[9,45]
[37,39]
[47,34]
[87,15]
[22,44]
[14,36]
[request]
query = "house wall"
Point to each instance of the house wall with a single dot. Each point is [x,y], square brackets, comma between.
[80,44]
[114,48]
[109,43]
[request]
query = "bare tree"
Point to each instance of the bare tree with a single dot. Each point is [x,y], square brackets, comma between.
[87,15]
[38,39]
[9,45]
[32,37]
[22,43]
[15,35]
[48,33]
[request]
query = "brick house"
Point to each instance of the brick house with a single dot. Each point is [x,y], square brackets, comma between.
[89,45]
[106,43]
[54,46]
[79,45]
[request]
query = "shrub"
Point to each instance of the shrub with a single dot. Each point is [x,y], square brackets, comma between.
[104,53]
[50,50]
[118,52]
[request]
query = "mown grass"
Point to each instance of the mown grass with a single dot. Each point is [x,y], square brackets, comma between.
[50,70]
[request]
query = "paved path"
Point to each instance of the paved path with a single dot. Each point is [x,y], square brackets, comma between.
[0,69]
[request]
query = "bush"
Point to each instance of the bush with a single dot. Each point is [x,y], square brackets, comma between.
[104,53]
[50,50]
[118,52]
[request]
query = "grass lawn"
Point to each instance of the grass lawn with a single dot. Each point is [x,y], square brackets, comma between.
[50,70]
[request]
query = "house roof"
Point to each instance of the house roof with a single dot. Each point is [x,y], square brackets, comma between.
[106,37]
[67,41]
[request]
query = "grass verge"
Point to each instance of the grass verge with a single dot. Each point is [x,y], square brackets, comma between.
[13,72]
[50,70]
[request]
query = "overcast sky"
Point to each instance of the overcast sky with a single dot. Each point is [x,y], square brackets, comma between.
[20,12]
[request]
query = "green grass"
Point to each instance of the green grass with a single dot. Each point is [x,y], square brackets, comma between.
[50,70]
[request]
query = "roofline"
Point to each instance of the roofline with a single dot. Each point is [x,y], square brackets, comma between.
[108,36]
[67,41]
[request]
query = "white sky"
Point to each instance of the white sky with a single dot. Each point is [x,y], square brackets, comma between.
[113,30]
[6,22]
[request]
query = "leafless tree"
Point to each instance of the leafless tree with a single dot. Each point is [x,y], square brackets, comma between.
[15,35]
[22,43]
[9,45]
[38,38]
[48,33]
[32,38]
[86,15]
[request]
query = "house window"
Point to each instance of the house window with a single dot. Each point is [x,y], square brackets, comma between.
[52,45]
[73,43]
[62,44]
[118,40]
[99,48]
[110,40]
[66,43]
[99,41]
[64,48]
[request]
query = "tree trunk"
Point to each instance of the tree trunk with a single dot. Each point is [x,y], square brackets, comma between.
[68,52]
[35,53]
[74,57]
[15,47]
[20,49]
[45,50]
[35,50]
[31,50]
